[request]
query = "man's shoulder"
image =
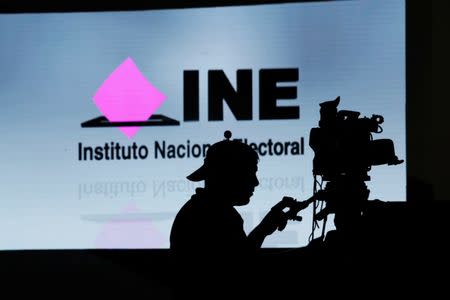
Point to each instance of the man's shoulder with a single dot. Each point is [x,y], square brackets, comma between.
[195,208]
[196,202]
[203,209]
[192,222]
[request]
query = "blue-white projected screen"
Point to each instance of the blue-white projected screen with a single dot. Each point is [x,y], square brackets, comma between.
[64,186]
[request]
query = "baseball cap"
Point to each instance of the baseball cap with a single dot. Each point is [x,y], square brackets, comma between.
[224,155]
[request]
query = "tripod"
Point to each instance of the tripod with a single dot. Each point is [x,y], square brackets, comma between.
[345,196]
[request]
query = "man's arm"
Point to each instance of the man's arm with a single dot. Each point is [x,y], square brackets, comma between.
[256,237]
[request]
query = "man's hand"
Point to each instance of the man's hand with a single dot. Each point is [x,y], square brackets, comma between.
[278,216]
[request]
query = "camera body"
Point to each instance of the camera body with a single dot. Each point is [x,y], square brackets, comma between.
[343,144]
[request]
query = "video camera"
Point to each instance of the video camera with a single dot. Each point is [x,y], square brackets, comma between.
[344,153]
[343,143]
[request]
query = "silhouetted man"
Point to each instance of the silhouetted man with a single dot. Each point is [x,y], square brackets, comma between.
[208,236]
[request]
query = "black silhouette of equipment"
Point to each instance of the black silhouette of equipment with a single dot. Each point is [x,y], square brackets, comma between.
[344,152]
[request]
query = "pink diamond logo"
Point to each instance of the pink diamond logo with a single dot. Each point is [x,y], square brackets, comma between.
[127,96]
